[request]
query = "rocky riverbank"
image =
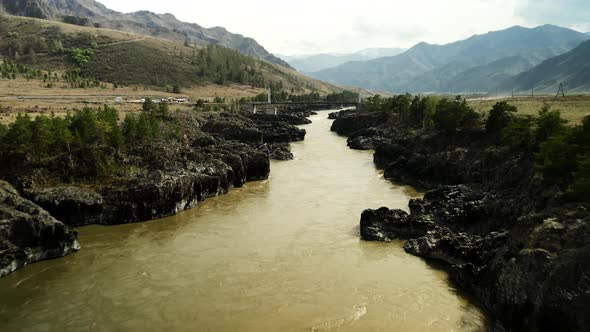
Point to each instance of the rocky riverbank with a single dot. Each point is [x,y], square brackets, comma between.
[511,241]
[28,233]
[209,154]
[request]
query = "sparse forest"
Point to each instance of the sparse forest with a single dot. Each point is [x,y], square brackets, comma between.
[89,58]
[561,151]
[92,137]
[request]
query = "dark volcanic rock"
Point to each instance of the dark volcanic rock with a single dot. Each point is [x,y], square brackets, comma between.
[74,205]
[456,248]
[348,124]
[365,139]
[279,128]
[280,151]
[157,193]
[231,128]
[336,115]
[289,118]
[168,175]
[209,154]
[361,143]
[506,238]
[274,133]
[385,225]
[28,233]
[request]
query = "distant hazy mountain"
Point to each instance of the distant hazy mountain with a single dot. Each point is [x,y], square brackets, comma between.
[476,64]
[316,62]
[142,22]
[572,69]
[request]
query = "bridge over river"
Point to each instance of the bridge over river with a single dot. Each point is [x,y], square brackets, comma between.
[273,107]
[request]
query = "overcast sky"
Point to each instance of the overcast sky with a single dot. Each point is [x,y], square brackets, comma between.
[324,26]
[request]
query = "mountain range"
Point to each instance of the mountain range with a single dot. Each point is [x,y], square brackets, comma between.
[165,26]
[571,69]
[316,62]
[480,63]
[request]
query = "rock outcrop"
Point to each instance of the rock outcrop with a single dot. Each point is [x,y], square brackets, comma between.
[506,238]
[28,233]
[209,155]
[219,152]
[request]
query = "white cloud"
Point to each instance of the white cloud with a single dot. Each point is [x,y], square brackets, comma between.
[571,13]
[313,26]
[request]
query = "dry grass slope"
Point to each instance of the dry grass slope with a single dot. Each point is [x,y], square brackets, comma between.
[131,58]
[573,108]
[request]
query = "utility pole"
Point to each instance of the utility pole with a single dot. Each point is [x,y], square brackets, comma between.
[560,90]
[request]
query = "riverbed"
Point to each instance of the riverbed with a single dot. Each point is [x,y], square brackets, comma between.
[277,255]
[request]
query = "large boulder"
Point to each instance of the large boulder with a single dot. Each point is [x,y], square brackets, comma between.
[348,124]
[72,205]
[280,151]
[385,225]
[28,233]
[233,128]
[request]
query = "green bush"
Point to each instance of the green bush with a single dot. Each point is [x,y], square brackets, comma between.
[451,116]
[90,135]
[518,134]
[500,117]
[557,157]
[80,56]
[549,123]
[18,139]
[3,130]
[580,187]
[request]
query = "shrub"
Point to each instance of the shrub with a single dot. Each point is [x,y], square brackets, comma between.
[518,134]
[557,157]
[499,117]
[548,123]
[453,115]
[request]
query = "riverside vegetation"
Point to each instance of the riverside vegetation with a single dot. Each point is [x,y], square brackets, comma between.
[507,206]
[90,167]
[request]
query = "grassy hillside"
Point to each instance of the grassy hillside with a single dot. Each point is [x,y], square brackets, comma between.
[93,13]
[572,69]
[445,68]
[133,59]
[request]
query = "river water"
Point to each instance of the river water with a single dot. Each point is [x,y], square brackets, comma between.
[278,255]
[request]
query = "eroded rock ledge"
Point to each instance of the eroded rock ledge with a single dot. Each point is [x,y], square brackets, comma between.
[214,152]
[511,242]
[28,233]
[218,152]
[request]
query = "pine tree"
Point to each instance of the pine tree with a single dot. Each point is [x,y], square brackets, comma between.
[19,136]
[42,136]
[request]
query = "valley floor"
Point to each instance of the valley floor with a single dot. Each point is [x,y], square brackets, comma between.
[29,96]
[573,108]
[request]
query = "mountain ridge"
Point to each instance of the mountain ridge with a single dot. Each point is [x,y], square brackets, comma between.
[571,69]
[315,62]
[85,54]
[142,22]
[436,68]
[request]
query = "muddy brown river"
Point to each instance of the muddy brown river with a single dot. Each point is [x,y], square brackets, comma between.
[278,255]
